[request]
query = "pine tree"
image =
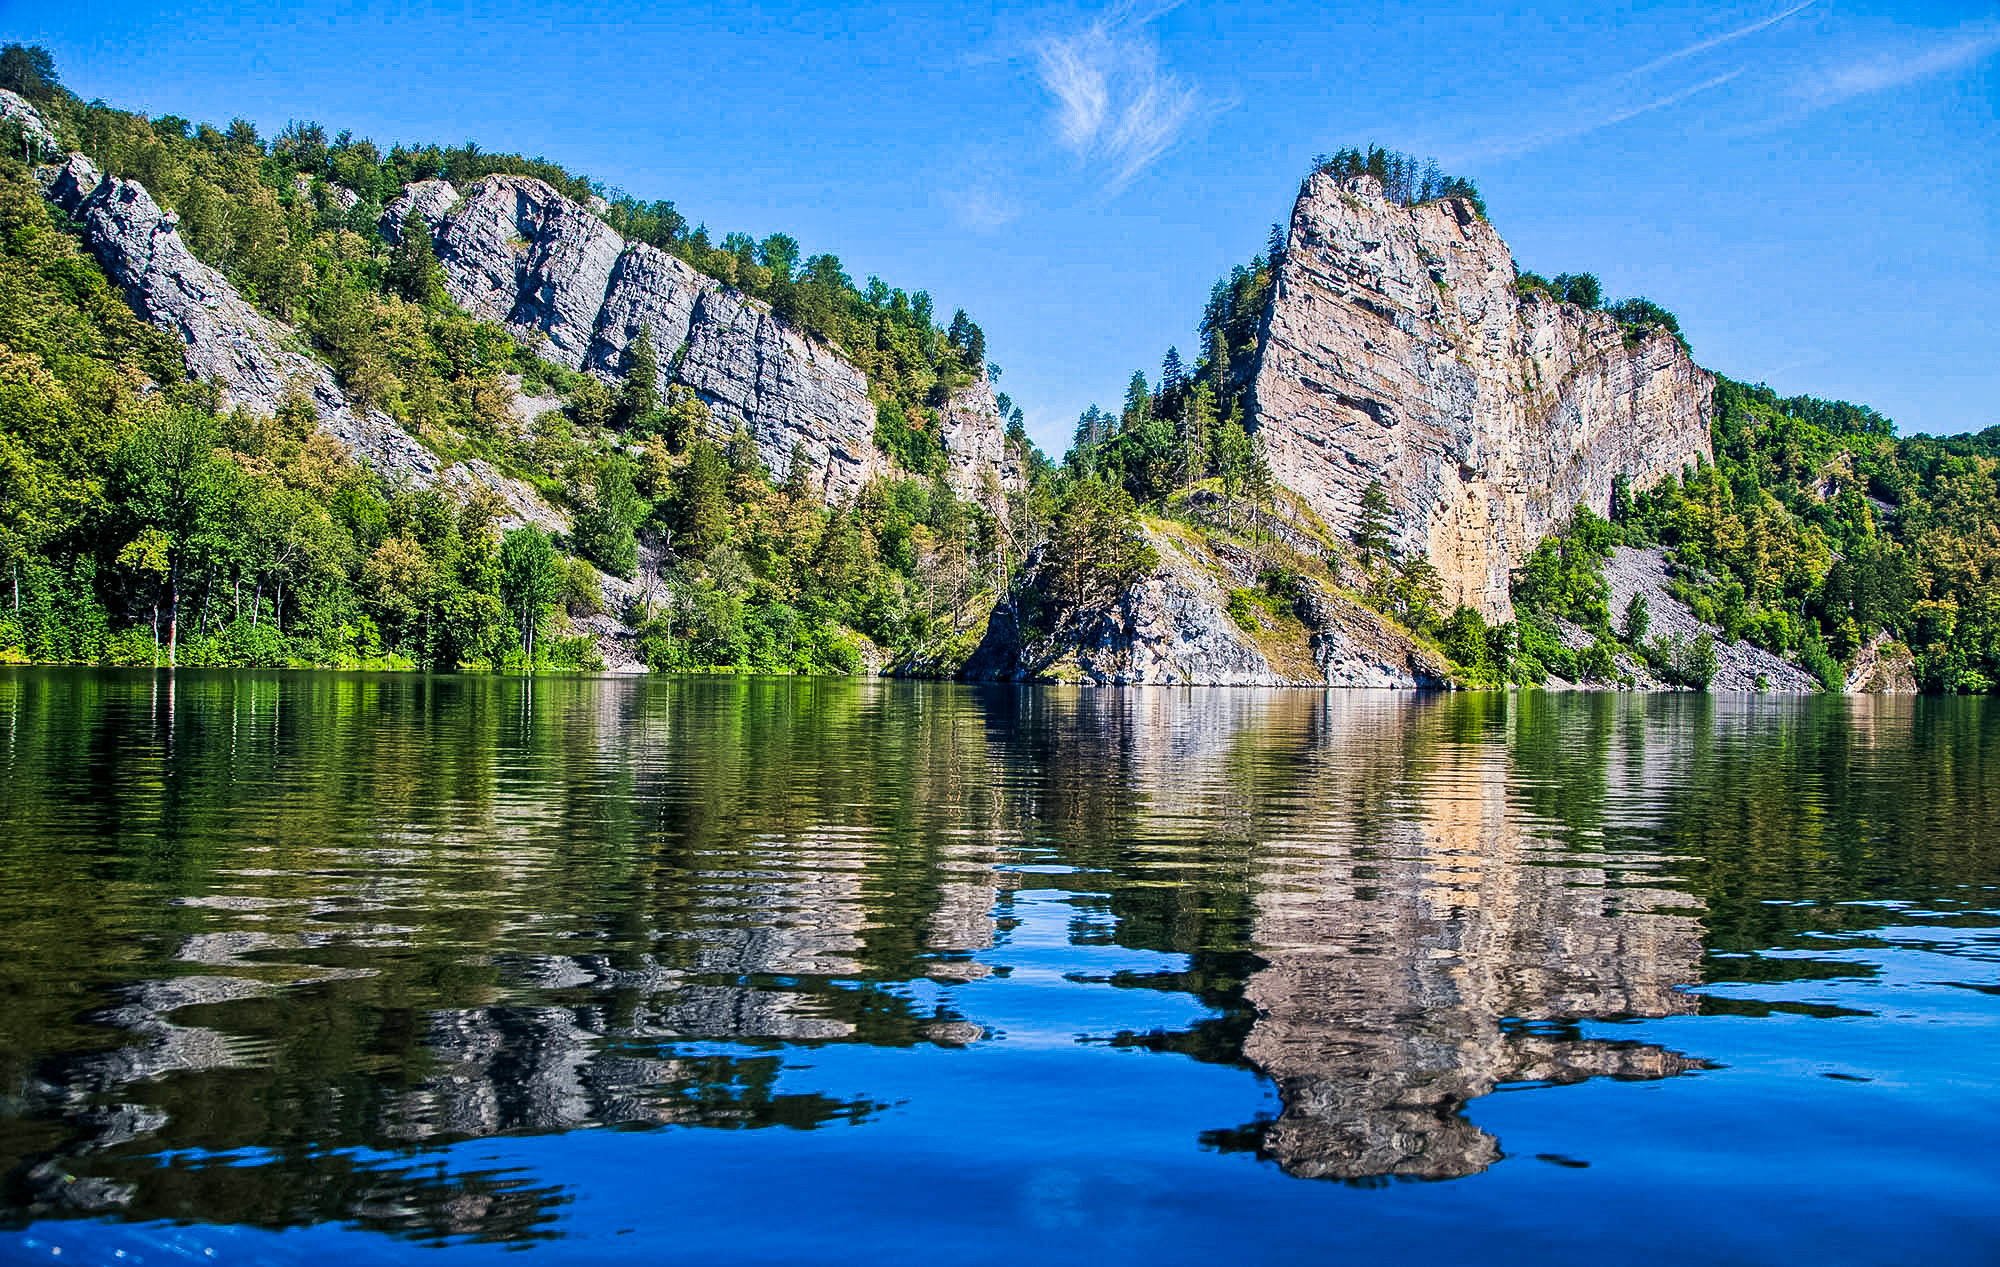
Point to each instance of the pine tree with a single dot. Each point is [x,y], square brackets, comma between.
[1138,402]
[1197,421]
[798,469]
[701,501]
[744,456]
[1218,363]
[639,398]
[688,419]
[1171,372]
[1638,618]
[412,271]
[1371,529]
[1260,487]
[1621,498]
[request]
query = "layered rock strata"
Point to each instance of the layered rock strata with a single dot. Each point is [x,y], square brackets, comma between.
[569,287]
[226,341]
[1397,351]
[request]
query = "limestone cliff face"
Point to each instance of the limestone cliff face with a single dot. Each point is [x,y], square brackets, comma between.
[1396,350]
[975,440]
[227,341]
[517,252]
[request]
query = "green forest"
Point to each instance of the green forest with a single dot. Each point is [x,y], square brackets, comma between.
[1816,530]
[142,524]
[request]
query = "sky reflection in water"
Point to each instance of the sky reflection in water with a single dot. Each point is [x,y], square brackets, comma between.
[303,965]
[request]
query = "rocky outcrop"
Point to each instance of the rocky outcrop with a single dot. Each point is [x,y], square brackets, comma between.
[1175,627]
[432,200]
[975,444]
[518,252]
[226,341]
[36,134]
[339,196]
[1396,350]
[1882,667]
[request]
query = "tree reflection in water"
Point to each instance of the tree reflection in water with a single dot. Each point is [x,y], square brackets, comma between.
[270,941]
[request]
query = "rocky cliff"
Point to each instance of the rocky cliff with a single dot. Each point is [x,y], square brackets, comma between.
[517,252]
[1195,620]
[226,341]
[37,138]
[1396,350]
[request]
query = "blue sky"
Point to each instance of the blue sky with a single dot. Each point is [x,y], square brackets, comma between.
[1811,187]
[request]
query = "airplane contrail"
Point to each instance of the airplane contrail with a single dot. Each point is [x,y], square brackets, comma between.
[1702,46]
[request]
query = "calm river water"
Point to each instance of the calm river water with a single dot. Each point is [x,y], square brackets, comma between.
[393,968]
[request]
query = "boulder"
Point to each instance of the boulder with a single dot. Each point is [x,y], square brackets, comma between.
[432,200]
[339,195]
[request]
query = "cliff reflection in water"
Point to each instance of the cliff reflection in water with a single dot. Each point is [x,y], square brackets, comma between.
[1418,935]
[266,934]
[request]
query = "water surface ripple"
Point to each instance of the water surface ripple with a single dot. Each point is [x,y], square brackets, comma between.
[401,969]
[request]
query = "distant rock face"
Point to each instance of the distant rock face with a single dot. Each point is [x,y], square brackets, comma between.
[975,442]
[1397,351]
[15,109]
[432,200]
[1173,628]
[1882,667]
[517,252]
[339,195]
[1739,666]
[226,340]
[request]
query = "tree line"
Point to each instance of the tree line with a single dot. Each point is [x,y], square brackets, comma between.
[142,523]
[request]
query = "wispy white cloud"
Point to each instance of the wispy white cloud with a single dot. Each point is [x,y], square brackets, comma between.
[1117,106]
[1626,94]
[1827,87]
[1777,89]
[1811,89]
[981,209]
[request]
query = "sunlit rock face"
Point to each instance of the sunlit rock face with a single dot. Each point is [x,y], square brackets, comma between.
[36,135]
[1172,627]
[1396,350]
[569,287]
[253,359]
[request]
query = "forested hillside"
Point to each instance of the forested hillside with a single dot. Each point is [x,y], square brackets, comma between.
[1816,533]
[140,523]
